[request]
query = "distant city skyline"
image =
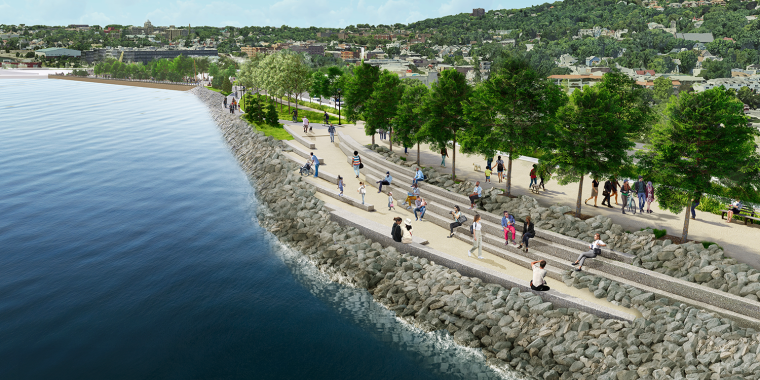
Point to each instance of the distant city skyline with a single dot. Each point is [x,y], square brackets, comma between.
[219,13]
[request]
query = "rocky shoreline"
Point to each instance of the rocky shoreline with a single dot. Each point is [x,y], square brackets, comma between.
[515,330]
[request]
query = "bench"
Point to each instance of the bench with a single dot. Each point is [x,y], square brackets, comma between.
[748,214]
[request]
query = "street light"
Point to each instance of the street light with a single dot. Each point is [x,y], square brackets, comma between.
[337,99]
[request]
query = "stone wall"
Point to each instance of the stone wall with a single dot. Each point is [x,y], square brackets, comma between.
[514,329]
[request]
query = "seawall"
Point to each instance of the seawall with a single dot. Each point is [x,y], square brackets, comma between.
[515,329]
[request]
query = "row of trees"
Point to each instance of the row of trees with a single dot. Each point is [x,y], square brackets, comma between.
[284,73]
[698,140]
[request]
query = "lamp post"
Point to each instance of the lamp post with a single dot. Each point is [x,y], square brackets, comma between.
[337,99]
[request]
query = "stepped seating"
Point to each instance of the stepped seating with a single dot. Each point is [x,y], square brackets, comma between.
[297,137]
[558,250]
[301,152]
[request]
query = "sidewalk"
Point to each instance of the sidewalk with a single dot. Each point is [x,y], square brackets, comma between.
[736,238]
[336,163]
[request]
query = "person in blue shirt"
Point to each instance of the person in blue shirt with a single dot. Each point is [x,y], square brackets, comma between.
[385,181]
[508,223]
[418,176]
[331,129]
[315,162]
[476,192]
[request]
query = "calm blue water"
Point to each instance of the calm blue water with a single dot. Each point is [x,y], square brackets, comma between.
[129,249]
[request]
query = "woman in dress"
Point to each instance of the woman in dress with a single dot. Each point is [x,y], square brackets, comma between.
[594,191]
[650,196]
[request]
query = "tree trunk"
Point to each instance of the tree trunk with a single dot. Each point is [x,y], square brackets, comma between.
[418,153]
[298,96]
[288,102]
[454,160]
[373,139]
[685,231]
[509,176]
[578,202]
[390,140]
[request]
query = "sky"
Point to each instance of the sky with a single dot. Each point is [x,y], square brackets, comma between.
[301,13]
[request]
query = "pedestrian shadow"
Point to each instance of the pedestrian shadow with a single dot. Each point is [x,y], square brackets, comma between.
[493,263]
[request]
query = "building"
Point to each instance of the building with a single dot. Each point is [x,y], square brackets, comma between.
[753,83]
[145,55]
[478,12]
[593,60]
[347,54]
[21,65]
[309,49]
[57,52]
[173,33]
[253,50]
[576,81]
[699,37]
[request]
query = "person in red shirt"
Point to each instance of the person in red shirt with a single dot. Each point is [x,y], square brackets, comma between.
[533,179]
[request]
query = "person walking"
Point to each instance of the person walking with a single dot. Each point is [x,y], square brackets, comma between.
[305,125]
[650,196]
[538,283]
[327,119]
[694,205]
[595,251]
[225,102]
[533,176]
[396,233]
[331,129]
[528,233]
[508,224]
[476,193]
[390,202]
[385,181]
[315,162]
[356,162]
[458,220]
[407,230]
[594,191]
[340,185]
[381,132]
[444,154]
[489,161]
[625,193]
[362,191]
[607,192]
[477,237]
[615,186]
[542,172]
[419,207]
[500,168]
[641,191]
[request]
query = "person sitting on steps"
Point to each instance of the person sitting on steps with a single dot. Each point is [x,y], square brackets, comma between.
[595,251]
[528,233]
[538,283]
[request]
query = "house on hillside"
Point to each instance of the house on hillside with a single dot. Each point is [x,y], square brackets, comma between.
[566,60]
[593,60]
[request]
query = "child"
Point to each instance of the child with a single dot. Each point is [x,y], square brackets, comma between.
[362,190]
[340,185]
[488,174]
[390,202]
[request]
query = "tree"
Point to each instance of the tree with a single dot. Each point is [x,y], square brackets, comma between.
[226,85]
[295,75]
[688,61]
[663,89]
[443,108]
[590,137]
[715,69]
[410,116]
[748,97]
[381,107]
[705,136]
[511,112]
[358,90]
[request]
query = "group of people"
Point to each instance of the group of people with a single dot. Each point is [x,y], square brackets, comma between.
[629,193]
[233,106]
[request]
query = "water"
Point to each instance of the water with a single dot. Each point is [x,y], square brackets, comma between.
[129,249]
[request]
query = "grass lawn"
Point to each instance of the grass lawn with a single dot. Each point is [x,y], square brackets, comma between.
[314,117]
[319,107]
[277,132]
[225,93]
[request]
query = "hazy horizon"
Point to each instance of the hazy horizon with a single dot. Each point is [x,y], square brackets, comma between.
[294,13]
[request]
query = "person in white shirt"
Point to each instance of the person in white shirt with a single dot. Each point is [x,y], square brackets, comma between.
[593,252]
[476,193]
[538,283]
[305,125]
[407,231]
[362,190]
[477,237]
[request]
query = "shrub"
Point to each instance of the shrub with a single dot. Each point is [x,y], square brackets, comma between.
[659,233]
[271,116]
[707,244]
[226,85]
[711,204]
[216,82]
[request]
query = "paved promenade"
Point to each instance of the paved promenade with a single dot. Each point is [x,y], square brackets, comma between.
[739,241]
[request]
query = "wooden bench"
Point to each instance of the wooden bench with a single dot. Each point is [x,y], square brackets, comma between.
[748,214]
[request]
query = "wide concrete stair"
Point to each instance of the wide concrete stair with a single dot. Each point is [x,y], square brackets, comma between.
[558,250]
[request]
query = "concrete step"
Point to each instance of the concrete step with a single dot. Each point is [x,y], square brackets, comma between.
[297,149]
[298,136]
